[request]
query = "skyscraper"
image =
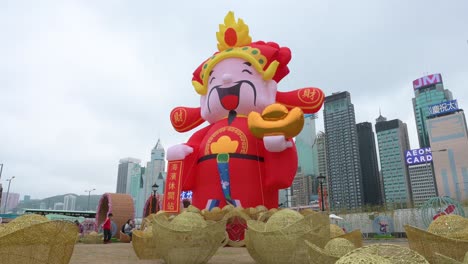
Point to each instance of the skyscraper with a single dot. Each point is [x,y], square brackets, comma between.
[136,188]
[154,167]
[344,168]
[428,90]
[69,202]
[307,156]
[449,143]
[321,147]
[392,137]
[301,189]
[125,167]
[305,142]
[422,183]
[369,164]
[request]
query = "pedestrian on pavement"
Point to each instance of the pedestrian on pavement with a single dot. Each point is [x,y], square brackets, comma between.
[106,226]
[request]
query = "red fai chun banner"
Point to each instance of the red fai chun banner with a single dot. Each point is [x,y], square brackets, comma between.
[172,191]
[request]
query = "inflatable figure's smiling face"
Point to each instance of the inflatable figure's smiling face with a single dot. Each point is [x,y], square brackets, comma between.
[235,85]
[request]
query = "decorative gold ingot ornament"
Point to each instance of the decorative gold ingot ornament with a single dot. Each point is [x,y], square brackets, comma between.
[188,238]
[282,238]
[428,244]
[276,121]
[34,239]
[390,253]
[215,214]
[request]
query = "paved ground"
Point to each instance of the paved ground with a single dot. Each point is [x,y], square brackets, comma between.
[121,253]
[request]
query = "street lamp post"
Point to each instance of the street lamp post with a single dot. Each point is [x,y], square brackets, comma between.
[321,178]
[8,192]
[89,195]
[155,190]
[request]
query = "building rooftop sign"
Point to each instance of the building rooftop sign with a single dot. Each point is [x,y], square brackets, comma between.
[427,81]
[443,108]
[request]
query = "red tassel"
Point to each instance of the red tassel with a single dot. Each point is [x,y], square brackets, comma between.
[184,119]
[309,99]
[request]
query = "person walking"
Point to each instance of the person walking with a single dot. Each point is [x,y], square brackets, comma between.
[106,226]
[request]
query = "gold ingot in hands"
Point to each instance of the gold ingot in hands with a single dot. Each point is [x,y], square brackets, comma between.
[276,120]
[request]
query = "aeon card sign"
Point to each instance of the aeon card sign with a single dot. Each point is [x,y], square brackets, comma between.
[418,156]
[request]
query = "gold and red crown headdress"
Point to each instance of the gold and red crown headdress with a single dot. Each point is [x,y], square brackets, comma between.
[269,59]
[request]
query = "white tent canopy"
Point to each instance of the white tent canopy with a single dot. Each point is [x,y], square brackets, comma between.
[334,216]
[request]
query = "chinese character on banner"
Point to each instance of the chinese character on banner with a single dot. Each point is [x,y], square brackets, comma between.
[171,204]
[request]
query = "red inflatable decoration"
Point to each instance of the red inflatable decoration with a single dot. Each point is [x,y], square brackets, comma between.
[246,153]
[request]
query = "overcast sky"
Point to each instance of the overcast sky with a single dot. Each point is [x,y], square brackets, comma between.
[85,83]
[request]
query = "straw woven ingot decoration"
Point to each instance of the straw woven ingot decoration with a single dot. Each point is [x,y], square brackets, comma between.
[177,244]
[261,209]
[427,244]
[144,244]
[393,253]
[93,238]
[339,247]
[442,259]
[354,236]
[148,221]
[307,212]
[451,226]
[335,231]
[193,209]
[236,224]
[318,255]
[251,212]
[363,258]
[29,239]
[28,219]
[282,240]
[265,215]
[216,214]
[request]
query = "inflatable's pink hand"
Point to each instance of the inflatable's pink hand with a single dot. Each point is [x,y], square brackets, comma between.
[178,152]
[276,143]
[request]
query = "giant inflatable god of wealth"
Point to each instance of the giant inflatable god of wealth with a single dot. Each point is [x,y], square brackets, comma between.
[246,153]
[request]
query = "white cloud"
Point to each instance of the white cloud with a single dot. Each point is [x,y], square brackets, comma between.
[84,84]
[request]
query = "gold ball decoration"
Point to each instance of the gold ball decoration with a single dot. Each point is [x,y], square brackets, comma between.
[282,219]
[228,207]
[193,209]
[451,226]
[363,258]
[215,214]
[339,247]
[188,221]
